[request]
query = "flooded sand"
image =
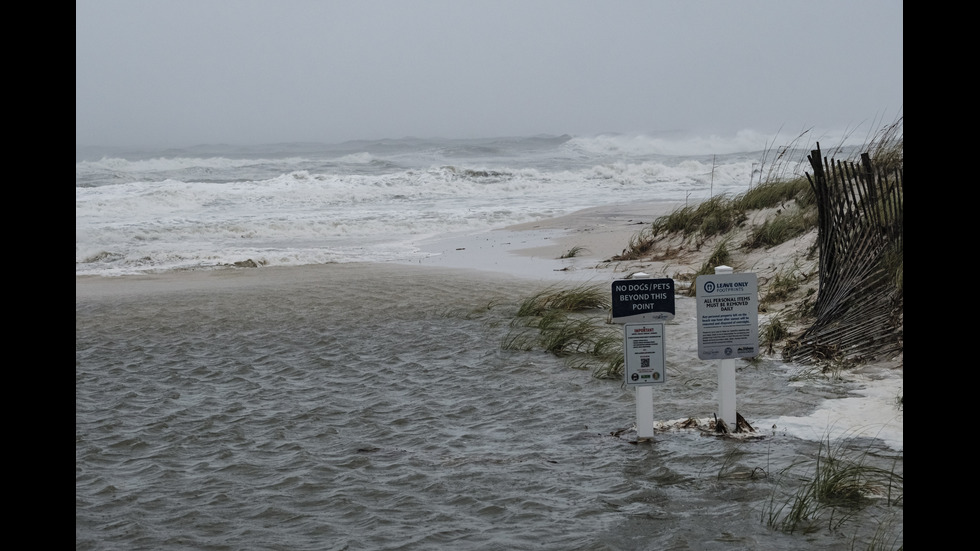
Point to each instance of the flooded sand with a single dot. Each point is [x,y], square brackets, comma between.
[359,406]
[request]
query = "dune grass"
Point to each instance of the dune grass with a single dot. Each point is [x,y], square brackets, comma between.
[721,214]
[835,488]
[781,186]
[575,299]
[574,251]
[771,333]
[555,332]
[776,193]
[887,145]
[710,217]
[782,286]
[720,256]
[565,322]
[782,227]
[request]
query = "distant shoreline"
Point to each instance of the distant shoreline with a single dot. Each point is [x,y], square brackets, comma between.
[531,250]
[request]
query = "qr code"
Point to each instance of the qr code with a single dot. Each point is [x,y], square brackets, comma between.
[644,362]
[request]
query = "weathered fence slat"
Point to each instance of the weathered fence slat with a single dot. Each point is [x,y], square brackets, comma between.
[860,220]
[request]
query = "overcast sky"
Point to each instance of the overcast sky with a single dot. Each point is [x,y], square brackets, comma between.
[190,72]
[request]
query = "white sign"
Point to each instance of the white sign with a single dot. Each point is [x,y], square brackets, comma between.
[644,353]
[728,316]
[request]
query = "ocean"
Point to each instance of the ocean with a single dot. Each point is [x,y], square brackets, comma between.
[301,204]
[266,359]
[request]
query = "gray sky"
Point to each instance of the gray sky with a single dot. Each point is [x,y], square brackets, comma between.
[189,72]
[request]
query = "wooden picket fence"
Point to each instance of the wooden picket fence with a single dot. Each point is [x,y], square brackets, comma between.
[859,307]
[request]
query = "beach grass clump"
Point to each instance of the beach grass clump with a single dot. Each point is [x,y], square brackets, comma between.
[775,193]
[713,216]
[836,488]
[782,163]
[771,333]
[720,256]
[574,251]
[579,298]
[786,225]
[640,245]
[561,321]
[678,221]
[605,359]
[722,214]
[608,367]
[564,334]
[782,286]
[525,330]
[887,146]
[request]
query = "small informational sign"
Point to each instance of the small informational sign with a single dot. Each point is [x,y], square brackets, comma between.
[728,316]
[644,353]
[636,300]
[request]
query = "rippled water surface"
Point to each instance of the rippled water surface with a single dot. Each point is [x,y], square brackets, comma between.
[352,407]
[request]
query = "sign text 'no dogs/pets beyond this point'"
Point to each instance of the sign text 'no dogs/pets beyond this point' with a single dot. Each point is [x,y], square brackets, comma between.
[635,300]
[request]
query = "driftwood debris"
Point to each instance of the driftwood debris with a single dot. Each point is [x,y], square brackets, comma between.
[859,307]
[741,425]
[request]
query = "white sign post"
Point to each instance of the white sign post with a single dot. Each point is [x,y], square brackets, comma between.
[636,303]
[728,328]
[643,362]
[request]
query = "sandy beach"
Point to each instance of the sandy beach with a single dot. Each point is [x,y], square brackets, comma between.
[539,249]
[530,251]
[536,249]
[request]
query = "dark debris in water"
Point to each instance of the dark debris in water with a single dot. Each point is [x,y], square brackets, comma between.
[741,425]
[708,426]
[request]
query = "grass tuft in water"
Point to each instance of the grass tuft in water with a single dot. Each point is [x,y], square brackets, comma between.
[574,251]
[557,320]
[837,487]
[579,298]
[771,333]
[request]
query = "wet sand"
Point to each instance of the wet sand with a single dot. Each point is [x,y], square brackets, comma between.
[536,249]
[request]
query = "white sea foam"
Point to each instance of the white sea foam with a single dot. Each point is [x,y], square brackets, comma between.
[873,411]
